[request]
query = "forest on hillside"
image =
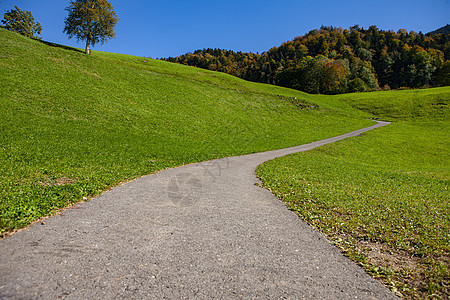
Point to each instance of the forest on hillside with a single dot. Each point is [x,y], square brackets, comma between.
[333,60]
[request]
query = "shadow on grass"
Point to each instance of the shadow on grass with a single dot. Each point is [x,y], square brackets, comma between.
[61,46]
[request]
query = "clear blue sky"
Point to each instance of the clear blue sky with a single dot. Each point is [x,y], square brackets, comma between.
[163,28]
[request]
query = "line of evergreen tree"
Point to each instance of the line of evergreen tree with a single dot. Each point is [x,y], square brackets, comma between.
[333,60]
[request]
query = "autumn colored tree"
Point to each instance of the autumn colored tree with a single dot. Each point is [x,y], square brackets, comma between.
[333,77]
[92,21]
[22,22]
[315,75]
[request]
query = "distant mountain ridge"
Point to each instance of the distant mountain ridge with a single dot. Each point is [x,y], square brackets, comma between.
[443,30]
[333,60]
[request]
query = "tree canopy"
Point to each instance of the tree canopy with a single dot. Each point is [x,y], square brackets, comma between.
[92,21]
[22,22]
[333,60]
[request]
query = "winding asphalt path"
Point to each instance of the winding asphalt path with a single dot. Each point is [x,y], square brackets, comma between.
[202,231]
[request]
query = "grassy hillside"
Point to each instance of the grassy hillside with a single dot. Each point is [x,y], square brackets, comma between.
[72,125]
[382,198]
[407,105]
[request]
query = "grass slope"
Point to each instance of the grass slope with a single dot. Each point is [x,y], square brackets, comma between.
[382,198]
[72,126]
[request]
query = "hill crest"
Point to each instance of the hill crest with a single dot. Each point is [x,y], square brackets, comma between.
[443,30]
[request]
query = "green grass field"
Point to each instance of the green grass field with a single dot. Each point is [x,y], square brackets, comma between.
[72,126]
[383,198]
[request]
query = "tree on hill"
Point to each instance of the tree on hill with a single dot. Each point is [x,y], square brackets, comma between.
[92,21]
[315,75]
[22,22]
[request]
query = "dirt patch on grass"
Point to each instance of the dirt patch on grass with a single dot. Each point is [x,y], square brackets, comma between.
[60,60]
[382,255]
[90,74]
[407,275]
[56,181]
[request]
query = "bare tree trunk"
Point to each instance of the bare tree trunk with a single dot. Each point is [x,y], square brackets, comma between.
[88,42]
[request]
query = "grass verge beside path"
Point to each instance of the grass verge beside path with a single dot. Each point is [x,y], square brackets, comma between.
[382,198]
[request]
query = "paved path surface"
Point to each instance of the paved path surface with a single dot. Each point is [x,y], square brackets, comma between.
[201,231]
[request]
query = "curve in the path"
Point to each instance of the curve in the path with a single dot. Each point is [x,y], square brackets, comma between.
[202,231]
